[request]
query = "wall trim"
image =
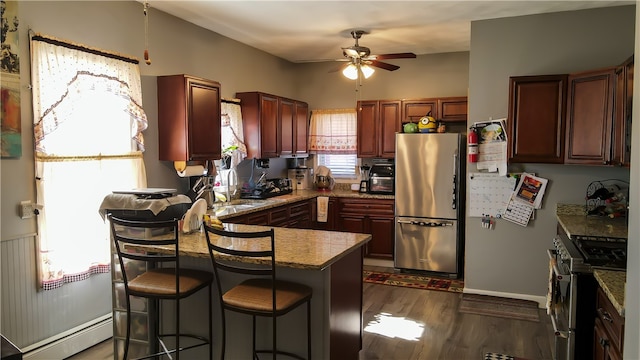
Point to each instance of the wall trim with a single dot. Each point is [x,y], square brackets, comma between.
[71,341]
[541,300]
[20,237]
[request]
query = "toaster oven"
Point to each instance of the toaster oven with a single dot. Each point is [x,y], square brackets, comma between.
[381,179]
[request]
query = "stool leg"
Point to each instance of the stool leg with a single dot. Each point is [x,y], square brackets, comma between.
[210,325]
[309,330]
[128,334]
[275,341]
[178,328]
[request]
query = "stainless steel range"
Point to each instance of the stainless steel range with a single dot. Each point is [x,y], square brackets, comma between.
[572,288]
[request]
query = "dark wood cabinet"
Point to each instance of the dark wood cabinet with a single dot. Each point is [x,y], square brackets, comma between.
[378,122]
[608,332]
[413,110]
[294,125]
[188,118]
[260,123]
[590,117]
[369,216]
[623,103]
[536,119]
[452,109]
[273,125]
[300,215]
[332,211]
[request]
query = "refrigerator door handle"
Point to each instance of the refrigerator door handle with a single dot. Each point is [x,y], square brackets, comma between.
[425,223]
[455,180]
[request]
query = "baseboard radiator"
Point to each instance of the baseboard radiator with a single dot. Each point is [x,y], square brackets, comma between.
[71,341]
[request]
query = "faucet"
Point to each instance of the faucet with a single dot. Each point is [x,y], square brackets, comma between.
[235,182]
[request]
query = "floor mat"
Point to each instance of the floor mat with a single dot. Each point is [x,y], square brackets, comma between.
[413,281]
[499,306]
[497,356]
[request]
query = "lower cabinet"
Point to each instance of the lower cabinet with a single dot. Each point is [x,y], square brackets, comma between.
[608,331]
[369,216]
[297,215]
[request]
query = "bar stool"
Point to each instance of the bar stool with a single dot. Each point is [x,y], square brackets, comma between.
[164,279]
[262,294]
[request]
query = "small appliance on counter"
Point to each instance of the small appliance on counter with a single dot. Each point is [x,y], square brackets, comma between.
[324,180]
[302,177]
[267,189]
[381,179]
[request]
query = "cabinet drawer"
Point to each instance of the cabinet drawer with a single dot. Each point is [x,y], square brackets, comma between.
[279,216]
[367,207]
[613,322]
[300,209]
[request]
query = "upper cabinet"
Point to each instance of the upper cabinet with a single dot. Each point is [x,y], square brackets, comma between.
[378,122]
[536,118]
[590,117]
[580,118]
[188,118]
[273,126]
[452,109]
[623,101]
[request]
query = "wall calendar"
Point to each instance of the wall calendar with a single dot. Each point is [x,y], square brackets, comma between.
[489,193]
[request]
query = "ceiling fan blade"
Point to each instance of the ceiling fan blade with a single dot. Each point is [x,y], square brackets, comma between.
[394,56]
[383,65]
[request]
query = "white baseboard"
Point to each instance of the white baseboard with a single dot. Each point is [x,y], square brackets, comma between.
[72,341]
[541,300]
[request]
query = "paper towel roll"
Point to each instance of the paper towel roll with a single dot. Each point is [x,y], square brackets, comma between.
[192,170]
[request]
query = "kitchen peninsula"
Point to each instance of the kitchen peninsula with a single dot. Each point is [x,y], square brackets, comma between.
[330,262]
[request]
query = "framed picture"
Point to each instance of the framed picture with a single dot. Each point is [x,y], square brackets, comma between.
[10,118]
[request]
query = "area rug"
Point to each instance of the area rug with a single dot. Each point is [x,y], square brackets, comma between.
[497,356]
[498,306]
[413,281]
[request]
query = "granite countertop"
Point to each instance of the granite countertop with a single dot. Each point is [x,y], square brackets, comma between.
[574,221]
[613,283]
[295,248]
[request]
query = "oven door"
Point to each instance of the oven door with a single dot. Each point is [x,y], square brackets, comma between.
[561,307]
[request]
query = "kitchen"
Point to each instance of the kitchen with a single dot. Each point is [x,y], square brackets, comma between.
[521,252]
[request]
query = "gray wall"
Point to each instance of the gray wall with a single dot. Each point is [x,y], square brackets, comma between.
[512,259]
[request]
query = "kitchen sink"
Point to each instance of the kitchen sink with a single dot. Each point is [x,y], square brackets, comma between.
[233,208]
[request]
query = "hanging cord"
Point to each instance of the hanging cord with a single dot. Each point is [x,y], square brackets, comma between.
[146,33]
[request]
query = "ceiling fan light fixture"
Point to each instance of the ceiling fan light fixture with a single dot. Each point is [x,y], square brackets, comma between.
[367,70]
[351,72]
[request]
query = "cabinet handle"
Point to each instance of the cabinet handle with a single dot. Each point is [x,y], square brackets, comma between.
[605,315]
[604,343]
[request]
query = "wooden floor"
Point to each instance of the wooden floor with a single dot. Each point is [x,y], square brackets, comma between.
[424,324]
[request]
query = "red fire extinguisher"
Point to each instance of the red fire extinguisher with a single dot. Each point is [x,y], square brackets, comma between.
[473,145]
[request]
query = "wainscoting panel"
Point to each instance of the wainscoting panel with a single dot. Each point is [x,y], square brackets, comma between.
[32,317]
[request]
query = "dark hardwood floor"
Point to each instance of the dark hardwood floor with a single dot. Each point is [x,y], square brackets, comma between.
[402,323]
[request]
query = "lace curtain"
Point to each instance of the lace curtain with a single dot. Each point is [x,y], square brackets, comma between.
[88,123]
[333,131]
[233,145]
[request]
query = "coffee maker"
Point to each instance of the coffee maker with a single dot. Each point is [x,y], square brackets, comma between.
[300,174]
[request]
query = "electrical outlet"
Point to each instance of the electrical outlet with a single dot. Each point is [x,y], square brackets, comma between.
[27,209]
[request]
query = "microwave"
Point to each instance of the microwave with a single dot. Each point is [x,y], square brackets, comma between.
[381,179]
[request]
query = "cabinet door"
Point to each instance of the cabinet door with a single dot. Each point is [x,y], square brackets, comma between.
[382,233]
[367,129]
[269,125]
[301,128]
[188,118]
[389,112]
[413,110]
[453,109]
[589,117]
[287,127]
[536,119]
[623,100]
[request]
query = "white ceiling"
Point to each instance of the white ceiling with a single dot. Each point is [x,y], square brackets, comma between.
[303,30]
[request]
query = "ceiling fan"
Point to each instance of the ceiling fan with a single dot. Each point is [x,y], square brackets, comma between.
[360,60]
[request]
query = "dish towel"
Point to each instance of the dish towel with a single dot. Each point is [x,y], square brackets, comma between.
[323,208]
[552,263]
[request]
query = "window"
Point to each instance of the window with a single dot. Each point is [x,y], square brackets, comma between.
[333,138]
[88,124]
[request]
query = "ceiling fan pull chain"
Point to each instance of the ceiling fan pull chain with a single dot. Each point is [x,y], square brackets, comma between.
[146,33]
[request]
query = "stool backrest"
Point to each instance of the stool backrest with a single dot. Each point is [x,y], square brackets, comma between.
[129,236]
[233,245]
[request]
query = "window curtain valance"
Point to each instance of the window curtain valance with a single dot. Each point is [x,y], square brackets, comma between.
[80,70]
[333,131]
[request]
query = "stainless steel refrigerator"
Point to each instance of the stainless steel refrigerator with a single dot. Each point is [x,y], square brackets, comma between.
[429,199]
